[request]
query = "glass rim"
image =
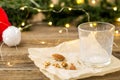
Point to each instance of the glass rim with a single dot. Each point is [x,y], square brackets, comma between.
[112,26]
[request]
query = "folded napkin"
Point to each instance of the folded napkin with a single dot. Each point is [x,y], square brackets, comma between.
[70,50]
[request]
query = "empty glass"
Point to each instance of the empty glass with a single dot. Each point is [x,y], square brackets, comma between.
[96,41]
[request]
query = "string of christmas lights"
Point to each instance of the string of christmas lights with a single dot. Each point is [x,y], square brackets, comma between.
[56,11]
[67,25]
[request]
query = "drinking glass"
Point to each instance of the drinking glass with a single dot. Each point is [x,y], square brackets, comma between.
[96,41]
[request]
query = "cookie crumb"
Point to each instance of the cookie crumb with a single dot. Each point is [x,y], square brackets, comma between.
[46,64]
[64,64]
[72,67]
[56,65]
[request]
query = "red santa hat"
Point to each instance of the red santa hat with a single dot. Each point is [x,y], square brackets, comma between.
[4,22]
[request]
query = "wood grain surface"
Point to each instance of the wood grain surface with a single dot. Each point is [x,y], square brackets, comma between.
[17,65]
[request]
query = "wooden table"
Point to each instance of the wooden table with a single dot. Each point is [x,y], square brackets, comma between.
[17,65]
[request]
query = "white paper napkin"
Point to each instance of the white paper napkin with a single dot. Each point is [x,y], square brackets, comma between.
[71,51]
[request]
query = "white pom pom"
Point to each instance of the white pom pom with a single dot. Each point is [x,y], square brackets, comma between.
[11,36]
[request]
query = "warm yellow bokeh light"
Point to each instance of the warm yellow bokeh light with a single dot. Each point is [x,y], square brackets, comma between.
[60,31]
[69,9]
[50,23]
[23,8]
[20,28]
[79,1]
[43,42]
[118,19]
[116,32]
[67,25]
[38,10]
[91,25]
[51,5]
[23,23]
[9,64]
[94,24]
[93,1]
[115,8]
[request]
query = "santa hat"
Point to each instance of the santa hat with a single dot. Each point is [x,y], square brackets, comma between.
[4,22]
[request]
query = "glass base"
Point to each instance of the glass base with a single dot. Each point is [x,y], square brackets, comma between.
[96,60]
[97,65]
